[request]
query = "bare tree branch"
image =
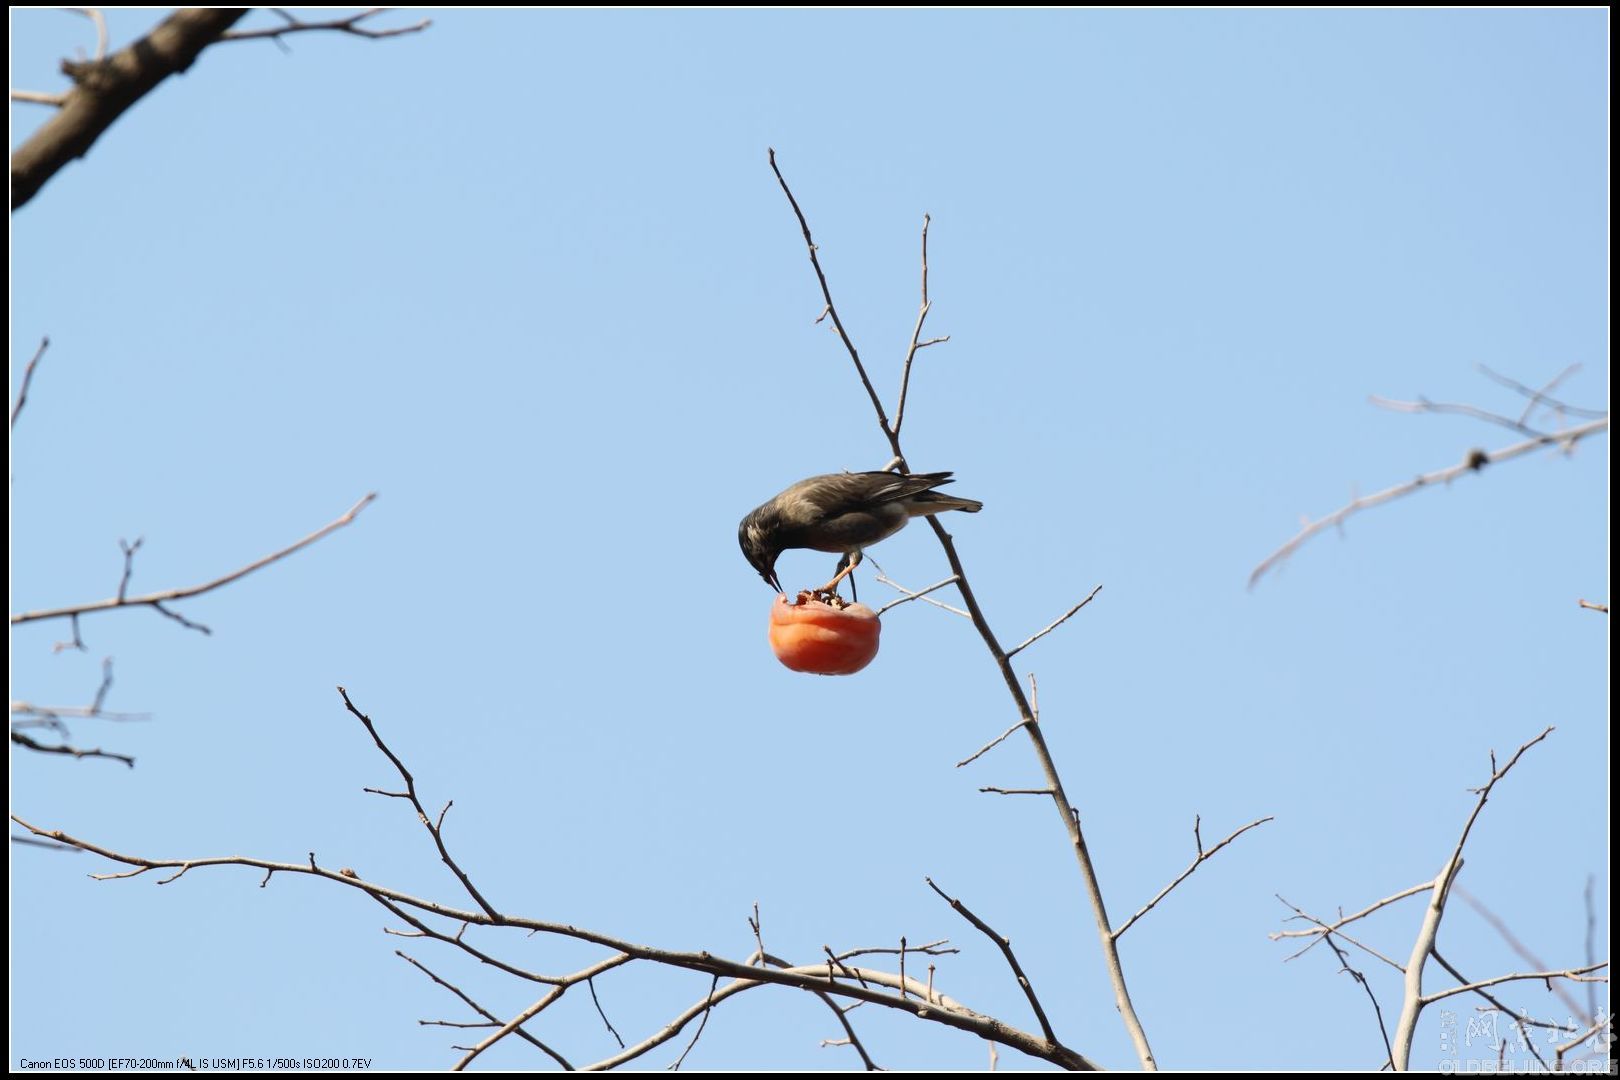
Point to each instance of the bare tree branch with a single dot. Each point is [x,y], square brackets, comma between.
[1324,928]
[1521,1021]
[1601,1024]
[488,1016]
[1475,460]
[1198,861]
[1361,980]
[1506,934]
[883,579]
[1424,405]
[32,744]
[1580,974]
[1315,933]
[916,333]
[107,86]
[835,979]
[1541,397]
[158,599]
[350,25]
[1065,810]
[95,16]
[1053,625]
[1006,951]
[920,594]
[1413,998]
[28,379]
[434,830]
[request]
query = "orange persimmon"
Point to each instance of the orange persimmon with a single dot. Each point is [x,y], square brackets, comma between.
[823,638]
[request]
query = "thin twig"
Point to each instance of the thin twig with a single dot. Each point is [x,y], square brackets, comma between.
[1476,460]
[1599,1025]
[698,1034]
[514,1024]
[1315,932]
[424,930]
[991,745]
[1521,1021]
[920,594]
[410,793]
[916,333]
[1325,928]
[100,21]
[1005,946]
[489,1017]
[32,744]
[1198,860]
[591,984]
[831,310]
[1053,625]
[1506,933]
[129,551]
[1580,974]
[1424,405]
[1540,397]
[1361,979]
[942,947]
[38,97]
[158,599]
[350,25]
[52,845]
[28,372]
[1591,952]
[883,579]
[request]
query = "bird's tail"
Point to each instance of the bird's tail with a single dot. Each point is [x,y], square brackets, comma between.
[928,503]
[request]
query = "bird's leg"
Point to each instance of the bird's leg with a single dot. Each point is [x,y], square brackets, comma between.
[846,566]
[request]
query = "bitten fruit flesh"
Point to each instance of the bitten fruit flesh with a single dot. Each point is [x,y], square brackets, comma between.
[823,635]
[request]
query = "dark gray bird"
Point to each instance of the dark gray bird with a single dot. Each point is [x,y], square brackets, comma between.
[841,512]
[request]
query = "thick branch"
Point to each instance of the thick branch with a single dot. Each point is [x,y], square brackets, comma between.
[103,89]
[1413,1000]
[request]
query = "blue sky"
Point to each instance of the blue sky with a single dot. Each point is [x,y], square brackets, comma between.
[528,276]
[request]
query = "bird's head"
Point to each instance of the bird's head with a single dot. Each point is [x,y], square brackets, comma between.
[757,540]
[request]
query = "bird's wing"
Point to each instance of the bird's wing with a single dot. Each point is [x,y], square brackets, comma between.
[843,493]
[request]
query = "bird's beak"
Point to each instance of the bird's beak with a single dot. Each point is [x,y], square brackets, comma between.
[771,579]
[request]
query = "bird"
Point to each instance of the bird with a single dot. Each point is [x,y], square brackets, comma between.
[841,512]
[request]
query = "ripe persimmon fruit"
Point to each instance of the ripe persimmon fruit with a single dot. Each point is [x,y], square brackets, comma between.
[822,634]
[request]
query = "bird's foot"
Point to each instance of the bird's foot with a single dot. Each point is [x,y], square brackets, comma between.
[832,586]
